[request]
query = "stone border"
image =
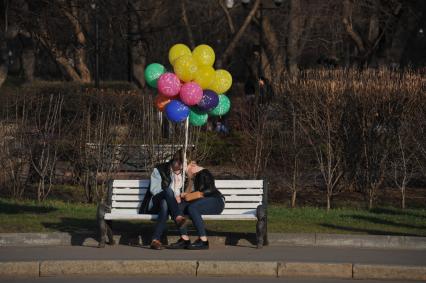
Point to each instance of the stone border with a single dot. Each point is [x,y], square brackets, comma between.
[275,239]
[193,268]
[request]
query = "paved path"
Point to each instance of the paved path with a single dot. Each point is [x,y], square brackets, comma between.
[227,253]
[188,280]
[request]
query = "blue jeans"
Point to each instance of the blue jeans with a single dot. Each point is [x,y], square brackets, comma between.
[203,206]
[164,204]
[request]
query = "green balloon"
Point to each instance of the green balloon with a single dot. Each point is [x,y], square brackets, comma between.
[223,107]
[153,72]
[197,118]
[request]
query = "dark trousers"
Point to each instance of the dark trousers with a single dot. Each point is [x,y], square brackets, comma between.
[203,206]
[164,204]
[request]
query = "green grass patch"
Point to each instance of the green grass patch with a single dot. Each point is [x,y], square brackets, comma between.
[59,216]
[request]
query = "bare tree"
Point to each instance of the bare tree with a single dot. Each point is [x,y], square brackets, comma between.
[291,148]
[14,153]
[320,120]
[402,166]
[44,151]
[256,146]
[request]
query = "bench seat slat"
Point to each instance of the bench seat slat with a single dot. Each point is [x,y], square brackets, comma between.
[129,191]
[110,216]
[242,205]
[239,184]
[135,204]
[126,204]
[243,198]
[241,191]
[225,211]
[130,183]
[233,198]
[137,191]
[128,197]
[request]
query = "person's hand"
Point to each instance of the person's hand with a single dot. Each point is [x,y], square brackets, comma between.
[178,199]
[182,195]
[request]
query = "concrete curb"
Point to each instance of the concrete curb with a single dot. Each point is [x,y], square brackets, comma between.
[390,272]
[275,239]
[237,268]
[117,267]
[318,270]
[193,268]
[19,269]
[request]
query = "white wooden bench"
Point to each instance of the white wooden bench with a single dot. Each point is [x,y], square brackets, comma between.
[244,200]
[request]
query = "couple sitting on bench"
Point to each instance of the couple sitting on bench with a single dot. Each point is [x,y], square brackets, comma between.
[167,196]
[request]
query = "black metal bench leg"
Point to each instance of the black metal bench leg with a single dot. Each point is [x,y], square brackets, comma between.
[265,232]
[261,231]
[109,232]
[102,226]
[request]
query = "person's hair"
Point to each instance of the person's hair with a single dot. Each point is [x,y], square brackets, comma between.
[178,156]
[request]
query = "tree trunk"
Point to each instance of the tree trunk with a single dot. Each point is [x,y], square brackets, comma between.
[67,68]
[272,71]
[373,33]
[328,202]
[370,198]
[293,198]
[403,197]
[4,59]
[138,48]
[400,38]
[28,57]
[294,33]
[236,39]
[80,52]
[187,24]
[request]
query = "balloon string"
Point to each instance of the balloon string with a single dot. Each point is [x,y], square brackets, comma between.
[185,148]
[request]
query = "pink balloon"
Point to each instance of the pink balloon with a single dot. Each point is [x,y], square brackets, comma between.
[191,93]
[168,84]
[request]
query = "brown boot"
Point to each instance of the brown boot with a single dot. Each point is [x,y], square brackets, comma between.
[156,245]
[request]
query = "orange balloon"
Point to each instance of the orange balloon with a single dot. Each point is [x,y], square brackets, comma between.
[161,102]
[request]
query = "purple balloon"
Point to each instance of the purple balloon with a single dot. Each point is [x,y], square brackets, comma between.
[209,100]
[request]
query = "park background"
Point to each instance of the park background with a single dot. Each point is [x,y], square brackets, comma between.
[338,128]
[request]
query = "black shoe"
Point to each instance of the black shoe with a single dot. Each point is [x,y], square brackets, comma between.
[199,245]
[180,244]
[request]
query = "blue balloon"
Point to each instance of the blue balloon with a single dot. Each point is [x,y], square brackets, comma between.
[177,111]
[209,100]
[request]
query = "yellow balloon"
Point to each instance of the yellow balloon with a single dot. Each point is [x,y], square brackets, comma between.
[204,76]
[222,82]
[178,50]
[185,68]
[204,55]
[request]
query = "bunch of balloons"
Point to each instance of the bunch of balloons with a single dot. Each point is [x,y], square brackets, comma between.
[195,89]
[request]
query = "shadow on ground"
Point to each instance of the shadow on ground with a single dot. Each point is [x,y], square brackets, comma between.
[377,220]
[12,208]
[366,230]
[396,212]
[132,232]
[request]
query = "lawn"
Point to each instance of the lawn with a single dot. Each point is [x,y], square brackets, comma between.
[59,216]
